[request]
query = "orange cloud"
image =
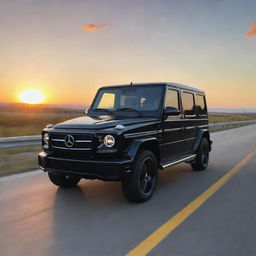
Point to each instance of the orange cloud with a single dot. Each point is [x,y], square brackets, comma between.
[252,31]
[93,27]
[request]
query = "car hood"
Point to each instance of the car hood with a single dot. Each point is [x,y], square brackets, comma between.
[97,123]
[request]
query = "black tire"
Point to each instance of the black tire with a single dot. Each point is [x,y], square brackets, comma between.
[64,181]
[202,156]
[140,186]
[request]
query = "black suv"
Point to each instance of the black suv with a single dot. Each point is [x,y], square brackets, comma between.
[129,133]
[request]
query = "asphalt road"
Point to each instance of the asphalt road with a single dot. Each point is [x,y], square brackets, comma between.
[94,219]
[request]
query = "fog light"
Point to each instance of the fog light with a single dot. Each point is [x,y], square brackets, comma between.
[46,138]
[46,146]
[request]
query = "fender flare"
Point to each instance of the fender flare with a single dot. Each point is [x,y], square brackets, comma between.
[136,144]
[202,133]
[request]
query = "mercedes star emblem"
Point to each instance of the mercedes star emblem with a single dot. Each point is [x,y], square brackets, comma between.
[69,141]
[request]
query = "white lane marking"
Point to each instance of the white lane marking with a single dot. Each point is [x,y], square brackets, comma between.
[20,175]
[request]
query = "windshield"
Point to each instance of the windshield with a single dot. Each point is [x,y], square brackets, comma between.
[139,100]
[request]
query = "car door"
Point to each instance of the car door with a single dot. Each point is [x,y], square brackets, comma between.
[172,126]
[189,131]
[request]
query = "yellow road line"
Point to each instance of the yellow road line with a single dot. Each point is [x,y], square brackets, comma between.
[157,236]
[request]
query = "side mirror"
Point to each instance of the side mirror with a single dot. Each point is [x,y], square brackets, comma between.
[86,111]
[170,111]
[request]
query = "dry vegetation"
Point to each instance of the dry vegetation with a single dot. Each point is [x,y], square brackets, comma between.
[221,118]
[18,159]
[27,120]
[22,120]
[22,124]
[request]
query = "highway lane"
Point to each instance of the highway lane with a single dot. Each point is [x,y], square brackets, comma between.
[224,225]
[94,218]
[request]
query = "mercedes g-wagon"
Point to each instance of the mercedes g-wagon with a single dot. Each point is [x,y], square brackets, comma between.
[129,133]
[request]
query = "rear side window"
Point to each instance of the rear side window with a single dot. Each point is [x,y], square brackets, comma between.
[188,103]
[200,105]
[172,99]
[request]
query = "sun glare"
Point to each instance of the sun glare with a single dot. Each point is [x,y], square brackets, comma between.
[32,96]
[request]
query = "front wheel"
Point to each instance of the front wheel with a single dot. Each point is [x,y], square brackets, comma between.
[202,156]
[62,180]
[141,185]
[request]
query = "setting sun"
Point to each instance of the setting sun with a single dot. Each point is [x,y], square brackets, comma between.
[32,96]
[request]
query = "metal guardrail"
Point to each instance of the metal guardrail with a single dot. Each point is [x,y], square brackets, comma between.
[228,124]
[11,142]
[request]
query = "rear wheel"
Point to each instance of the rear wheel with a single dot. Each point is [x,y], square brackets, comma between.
[62,180]
[141,185]
[202,156]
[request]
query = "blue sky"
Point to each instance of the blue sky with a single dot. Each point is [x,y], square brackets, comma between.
[199,43]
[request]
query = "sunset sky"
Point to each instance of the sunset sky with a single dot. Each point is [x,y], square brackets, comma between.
[69,48]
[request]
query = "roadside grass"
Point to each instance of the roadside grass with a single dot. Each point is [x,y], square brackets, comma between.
[221,118]
[25,124]
[19,159]
[18,168]
[32,123]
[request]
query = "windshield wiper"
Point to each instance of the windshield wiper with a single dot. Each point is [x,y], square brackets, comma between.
[104,109]
[130,109]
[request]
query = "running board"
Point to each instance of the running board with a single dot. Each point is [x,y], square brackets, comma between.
[188,158]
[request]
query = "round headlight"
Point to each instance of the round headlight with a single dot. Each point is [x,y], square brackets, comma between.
[109,141]
[46,138]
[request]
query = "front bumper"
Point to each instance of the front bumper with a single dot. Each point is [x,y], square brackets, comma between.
[111,170]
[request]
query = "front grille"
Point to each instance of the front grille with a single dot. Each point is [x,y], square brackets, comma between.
[82,142]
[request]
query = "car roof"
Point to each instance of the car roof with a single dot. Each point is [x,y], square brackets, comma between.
[171,84]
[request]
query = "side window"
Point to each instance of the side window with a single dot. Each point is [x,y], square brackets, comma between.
[188,103]
[200,105]
[172,99]
[107,101]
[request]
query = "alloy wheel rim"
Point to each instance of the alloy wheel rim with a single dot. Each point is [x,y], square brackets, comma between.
[205,155]
[147,176]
